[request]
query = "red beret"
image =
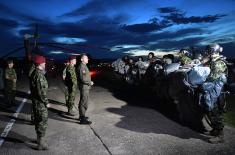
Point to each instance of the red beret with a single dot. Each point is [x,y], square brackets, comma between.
[39,59]
[72,57]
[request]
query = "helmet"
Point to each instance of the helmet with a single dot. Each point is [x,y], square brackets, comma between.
[183,51]
[214,48]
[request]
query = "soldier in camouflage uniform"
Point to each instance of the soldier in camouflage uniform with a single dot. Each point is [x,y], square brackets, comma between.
[218,68]
[10,83]
[63,77]
[85,84]
[71,84]
[183,56]
[40,103]
[32,68]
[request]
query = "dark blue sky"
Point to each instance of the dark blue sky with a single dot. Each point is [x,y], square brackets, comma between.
[132,27]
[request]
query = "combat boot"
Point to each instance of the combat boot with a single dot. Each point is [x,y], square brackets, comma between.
[213,132]
[87,118]
[84,121]
[42,145]
[218,137]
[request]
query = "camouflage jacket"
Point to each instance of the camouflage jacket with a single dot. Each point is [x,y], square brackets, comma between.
[71,77]
[32,68]
[39,87]
[64,73]
[10,77]
[84,77]
[184,59]
[218,67]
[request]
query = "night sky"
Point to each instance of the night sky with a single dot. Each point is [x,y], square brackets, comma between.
[112,28]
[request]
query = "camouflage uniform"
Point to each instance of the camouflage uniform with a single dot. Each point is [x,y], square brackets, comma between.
[39,88]
[32,68]
[1,79]
[71,84]
[66,88]
[10,85]
[218,67]
[84,79]
[184,59]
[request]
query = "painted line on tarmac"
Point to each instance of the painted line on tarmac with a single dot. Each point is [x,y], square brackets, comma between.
[11,122]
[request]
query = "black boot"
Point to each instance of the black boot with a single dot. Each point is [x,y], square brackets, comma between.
[84,120]
[213,132]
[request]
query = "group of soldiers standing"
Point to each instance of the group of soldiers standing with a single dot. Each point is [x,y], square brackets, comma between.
[72,78]
[80,79]
[208,74]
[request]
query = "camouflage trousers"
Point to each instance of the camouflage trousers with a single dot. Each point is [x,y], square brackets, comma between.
[83,103]
[10,93]
[216,118]
[40,114]
[66,94]
[70,94]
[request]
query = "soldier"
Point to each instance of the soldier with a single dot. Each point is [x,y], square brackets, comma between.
[39,88]
[66,63]
[10,83]
[218,68]
[32,68]
[71,85]
[85,84]
[141,65]
[184,57]
[1,77]
[151,57]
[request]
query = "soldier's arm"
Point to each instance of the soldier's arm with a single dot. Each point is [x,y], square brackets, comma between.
[64,73]
[74,76]
[15,76]
[42,90]
[221,67]
[7,75]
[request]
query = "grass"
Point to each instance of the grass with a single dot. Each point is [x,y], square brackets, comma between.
[229,116]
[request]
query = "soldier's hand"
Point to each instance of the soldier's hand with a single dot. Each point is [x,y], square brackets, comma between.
[48,105]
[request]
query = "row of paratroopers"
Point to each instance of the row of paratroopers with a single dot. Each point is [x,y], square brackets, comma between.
[196,83]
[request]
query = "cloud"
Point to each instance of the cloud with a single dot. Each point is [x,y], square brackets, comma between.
[179,17]
[96,7]
[142,28]
[167,10]
[153,25]
[69,40]
[8,24]
[14,13]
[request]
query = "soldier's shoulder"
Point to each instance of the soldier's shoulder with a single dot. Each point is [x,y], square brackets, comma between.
[221,62]
[81,65]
